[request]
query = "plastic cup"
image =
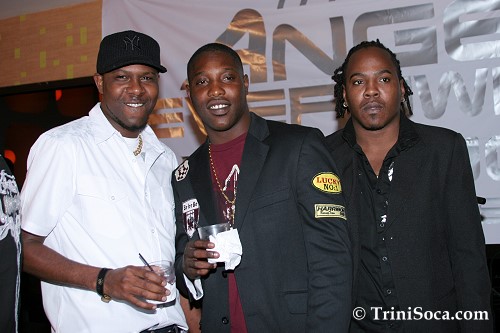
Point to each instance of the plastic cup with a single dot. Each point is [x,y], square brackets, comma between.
[165,268]
[212,230]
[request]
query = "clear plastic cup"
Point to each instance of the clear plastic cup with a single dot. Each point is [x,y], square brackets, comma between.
[165,268]
[212,230]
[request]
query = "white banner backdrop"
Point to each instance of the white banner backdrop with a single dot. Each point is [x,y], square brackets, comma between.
[449,53]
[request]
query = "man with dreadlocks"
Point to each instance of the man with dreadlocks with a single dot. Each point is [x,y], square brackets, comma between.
[419,254]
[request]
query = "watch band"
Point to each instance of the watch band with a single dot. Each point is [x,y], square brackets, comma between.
[99,288]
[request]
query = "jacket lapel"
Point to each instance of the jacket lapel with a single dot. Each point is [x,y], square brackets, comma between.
[202,186]
[348,170]
[404,180]
[254,157]
[406,165]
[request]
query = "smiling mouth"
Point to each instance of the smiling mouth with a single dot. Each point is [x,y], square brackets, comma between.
[135,105]
[218,106]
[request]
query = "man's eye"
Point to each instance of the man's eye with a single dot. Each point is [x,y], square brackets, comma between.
[385,79]
[357,82]
[200,82]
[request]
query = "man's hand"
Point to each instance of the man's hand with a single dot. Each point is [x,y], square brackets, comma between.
[136,285]
[195,262]
[133,284]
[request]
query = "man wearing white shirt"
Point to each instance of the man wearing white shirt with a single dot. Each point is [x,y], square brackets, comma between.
[97,194]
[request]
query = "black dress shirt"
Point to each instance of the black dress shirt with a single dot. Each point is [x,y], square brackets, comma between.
[376,289]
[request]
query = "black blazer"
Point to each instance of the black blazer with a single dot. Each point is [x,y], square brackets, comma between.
[295,273]
[435,238]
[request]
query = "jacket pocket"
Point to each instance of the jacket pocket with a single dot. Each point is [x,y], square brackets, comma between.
[269,199]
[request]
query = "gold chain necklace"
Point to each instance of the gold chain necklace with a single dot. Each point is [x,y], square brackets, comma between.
[138,150]
[231,202]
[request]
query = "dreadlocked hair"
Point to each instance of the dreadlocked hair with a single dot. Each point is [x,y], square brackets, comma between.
[339,78]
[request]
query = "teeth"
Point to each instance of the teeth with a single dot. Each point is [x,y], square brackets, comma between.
[135,105]
[218,106]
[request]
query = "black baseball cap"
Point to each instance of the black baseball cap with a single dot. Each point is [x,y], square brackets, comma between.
[128,48]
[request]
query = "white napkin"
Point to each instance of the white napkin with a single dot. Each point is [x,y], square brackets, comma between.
[228,244]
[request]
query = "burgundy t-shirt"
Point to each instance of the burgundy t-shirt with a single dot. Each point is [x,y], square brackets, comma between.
[226,158]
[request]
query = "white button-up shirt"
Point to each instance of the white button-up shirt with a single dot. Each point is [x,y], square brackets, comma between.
[86,192]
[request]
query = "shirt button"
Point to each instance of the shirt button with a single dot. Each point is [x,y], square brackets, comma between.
[224,274]
[379,191]
[382,225]
[389,291]
[384,258]
[225,321]
[112,197]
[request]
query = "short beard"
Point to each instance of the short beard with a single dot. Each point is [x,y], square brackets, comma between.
[135,128]
[373,128]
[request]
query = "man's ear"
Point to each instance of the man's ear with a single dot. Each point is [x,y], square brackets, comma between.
[402,87]
[98,82]
[245,82]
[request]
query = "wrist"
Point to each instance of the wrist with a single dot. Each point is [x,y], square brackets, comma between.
[100,285]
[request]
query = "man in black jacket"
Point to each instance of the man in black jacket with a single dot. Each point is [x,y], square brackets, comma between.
[419,254]
[277,185]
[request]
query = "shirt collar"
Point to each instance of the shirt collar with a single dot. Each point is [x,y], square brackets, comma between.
[104,130]
[408,136]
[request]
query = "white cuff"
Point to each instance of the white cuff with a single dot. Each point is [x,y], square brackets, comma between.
[194,287]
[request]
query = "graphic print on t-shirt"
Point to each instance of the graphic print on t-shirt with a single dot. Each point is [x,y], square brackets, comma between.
[230,190]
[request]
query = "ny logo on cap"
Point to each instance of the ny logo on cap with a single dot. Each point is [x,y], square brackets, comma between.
[134,42]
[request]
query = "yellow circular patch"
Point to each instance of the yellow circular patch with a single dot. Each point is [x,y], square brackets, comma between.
[327,182]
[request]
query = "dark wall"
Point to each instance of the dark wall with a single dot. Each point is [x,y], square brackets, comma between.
[27,112]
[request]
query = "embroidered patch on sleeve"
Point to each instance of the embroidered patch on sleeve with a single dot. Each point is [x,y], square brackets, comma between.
[329,210]
[190,216]
[182,171]
[327,182]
